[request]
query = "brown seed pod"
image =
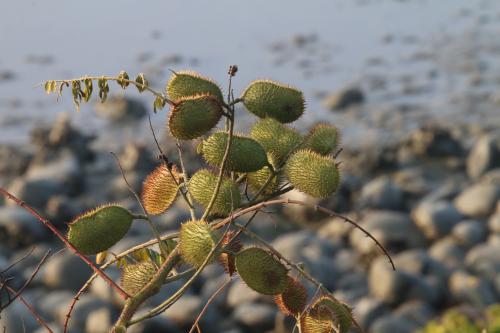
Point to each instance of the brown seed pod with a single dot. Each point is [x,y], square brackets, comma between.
[294,299]
[160,189]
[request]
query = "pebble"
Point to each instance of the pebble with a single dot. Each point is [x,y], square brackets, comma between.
[344,99]
[484,259]
[471,289]
[118,109]
[19,228]
[484,156]
[469,233]
[369,309]
[256,317]
[65,271]
[381,193]
[436,218]
[479,200]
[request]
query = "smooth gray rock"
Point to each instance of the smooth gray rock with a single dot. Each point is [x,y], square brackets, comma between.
[17,319]
[99,321]
[85,306]
[417,312]
[158,324]
[436,218]
[49,305]
[484,156]
[20,228]
[494,223]
[381,193]
[471,289]
[65,271]
[479,200]
[343,99]
[385,284]
[469,233]
[393,230]
[484,259]
[314,253]
[185,310]
[256,317]
[239,293]
[120,109]
[368,309]
[393,323]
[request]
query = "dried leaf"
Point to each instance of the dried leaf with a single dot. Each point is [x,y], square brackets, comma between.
[142,83]
[158,104]
[87,92]
[123,79]
[103,89]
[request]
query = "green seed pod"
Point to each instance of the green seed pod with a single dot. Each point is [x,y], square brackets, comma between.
[99,229]
[160,189]
[186,83]
[202,185]
[258,178]
[266,98]
[312,173]
[326,310]
[245,154]
[196,242]
[193,116]
[261,271]
[276,138]
[294,299]
[322,138]
[136,276]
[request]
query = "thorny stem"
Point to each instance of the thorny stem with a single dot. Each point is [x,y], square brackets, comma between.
[186,193]
[224,159]
[132,304]
[165,160]
[154,230]
[56,232]
[172,299]
[31,309]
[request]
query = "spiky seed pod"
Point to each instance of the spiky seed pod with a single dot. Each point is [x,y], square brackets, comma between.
[187,83]
[261,271]
[99,229]
[310,323]
[196,242]
[136,276]
[266,98]
[325,309]
[294,299]
[202,185]
[231,245]
[312,173]
[276,138]
[193,116]
[258,178]
[160,189]
[322,138]
[245,154]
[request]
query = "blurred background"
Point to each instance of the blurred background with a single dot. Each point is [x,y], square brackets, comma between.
[413,86]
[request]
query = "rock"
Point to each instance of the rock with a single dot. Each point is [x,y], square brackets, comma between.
[368,309]
[185,310]
[494,223]
[137,157]
[83,308]
[479,200]
[395,231]
[120,109]
[255,317]
[99,321]
[471,289]
[395,286]
[469,233]
[19,228]
[393,323]
[484,259]
[381,193]
[61,209]
[436,218]
[16,318]
[448,252]
[48,305]
[344,99]
[102,290]
[13,161]
[312,252]
[239,293]
[484,156]
[417,312]
[434,141]
[352,286]
[158,324]
[210,286]
[65,271]
[6,75]
[419,262]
